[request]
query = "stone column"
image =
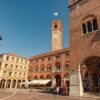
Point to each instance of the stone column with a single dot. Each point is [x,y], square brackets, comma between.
[53,81]
[16,84]
[5,85]
[26,83]
[11,84]
[76,84]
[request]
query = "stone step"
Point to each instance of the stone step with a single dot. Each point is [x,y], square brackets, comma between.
[91,95]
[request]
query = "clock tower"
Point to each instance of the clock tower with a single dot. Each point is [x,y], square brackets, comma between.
[56,35]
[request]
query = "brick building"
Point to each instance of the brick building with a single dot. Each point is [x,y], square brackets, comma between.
[53,65]
[81,62]
[84,45]
[50,66]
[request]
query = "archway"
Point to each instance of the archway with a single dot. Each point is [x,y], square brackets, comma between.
[2,84]
[91,74]
[48,76]
[36,77]
[23,84]
[41,77]
[18,83]
[8,83]
[58,80]
[14,84]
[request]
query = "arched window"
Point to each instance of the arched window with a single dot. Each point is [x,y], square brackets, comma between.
[35,77]
[95,26]
[49,77]
[49,67]
[7,58]
[36,69]
[41,77]
[42,68]
[66,66]
[89,26]
[84,28]
[58,66]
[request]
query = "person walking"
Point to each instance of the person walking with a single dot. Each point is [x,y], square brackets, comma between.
[57,90]
[68,89]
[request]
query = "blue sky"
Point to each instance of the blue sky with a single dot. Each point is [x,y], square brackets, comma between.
[25,25]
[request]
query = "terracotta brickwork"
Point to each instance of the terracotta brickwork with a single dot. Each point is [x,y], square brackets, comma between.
[56,35]
[82,45]
[49,62]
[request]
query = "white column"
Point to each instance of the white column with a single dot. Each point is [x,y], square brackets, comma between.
[11,84]
[76,84]
[15,85]
[80,81]
[5,84]
[53,81]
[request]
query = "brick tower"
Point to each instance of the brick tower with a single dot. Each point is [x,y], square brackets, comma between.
[56,35]
[84,43]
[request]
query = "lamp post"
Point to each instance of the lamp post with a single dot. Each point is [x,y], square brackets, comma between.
[0,38]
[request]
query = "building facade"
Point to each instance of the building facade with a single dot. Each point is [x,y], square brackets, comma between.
[84,45]
[13,71]
[52,65]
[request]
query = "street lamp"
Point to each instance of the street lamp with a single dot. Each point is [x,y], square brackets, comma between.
[0,38]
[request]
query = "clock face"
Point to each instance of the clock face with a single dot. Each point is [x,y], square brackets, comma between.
[55,36]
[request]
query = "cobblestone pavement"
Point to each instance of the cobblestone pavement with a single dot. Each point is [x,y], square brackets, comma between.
[4,94]
[39,96]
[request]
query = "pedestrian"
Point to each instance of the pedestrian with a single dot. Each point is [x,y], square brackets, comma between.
[64,91]
[57,90]
[68,89]
[84,84]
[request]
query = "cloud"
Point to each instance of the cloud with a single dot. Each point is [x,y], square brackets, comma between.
[55,13]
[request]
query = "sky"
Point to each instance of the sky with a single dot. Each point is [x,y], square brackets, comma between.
[25,25]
